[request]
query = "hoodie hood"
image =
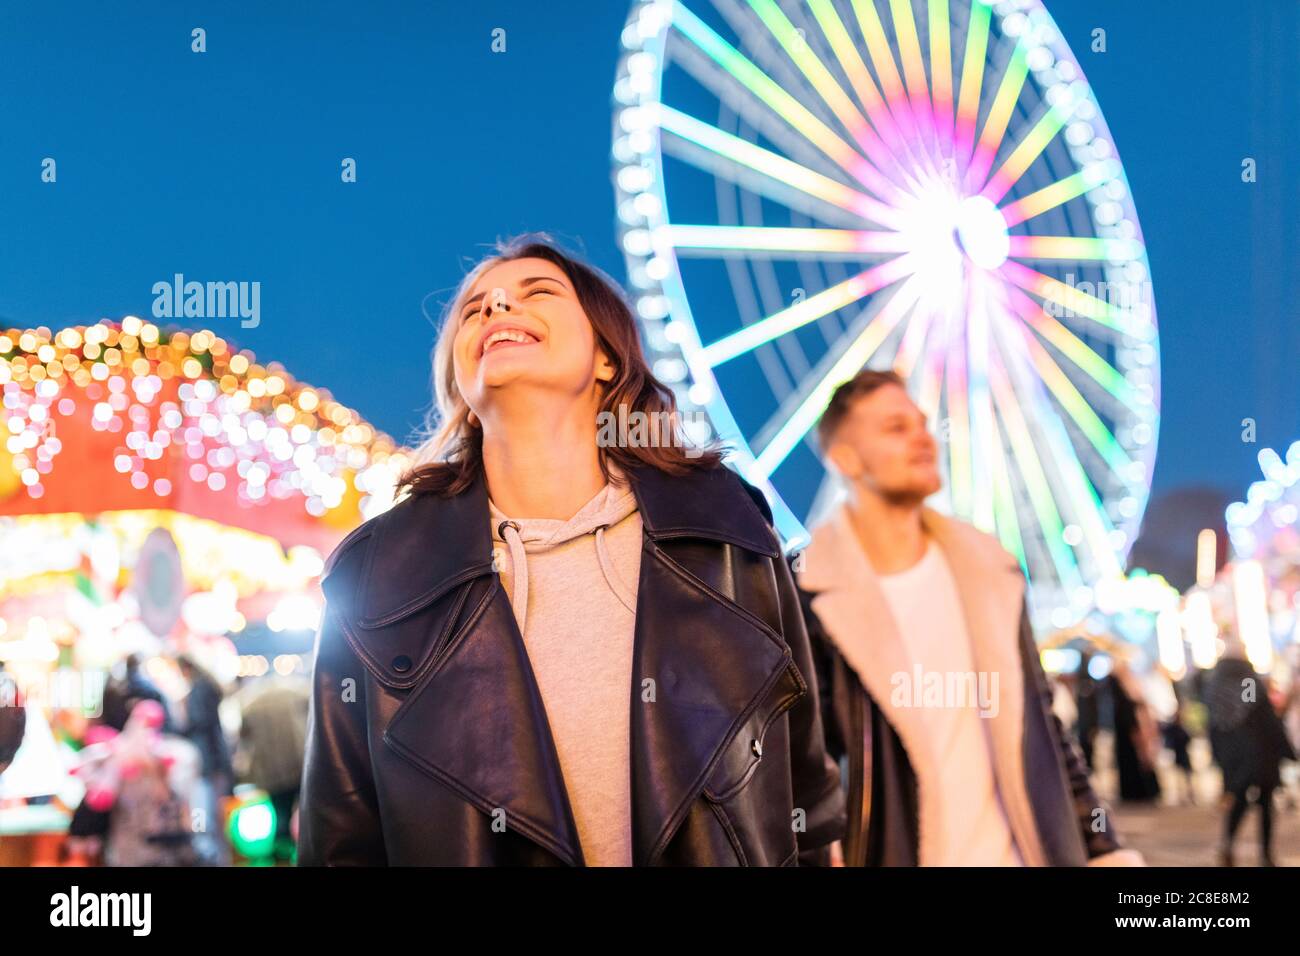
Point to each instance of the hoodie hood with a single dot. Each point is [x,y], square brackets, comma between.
[525,536]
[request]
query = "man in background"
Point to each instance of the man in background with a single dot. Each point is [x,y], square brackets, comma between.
[931,682]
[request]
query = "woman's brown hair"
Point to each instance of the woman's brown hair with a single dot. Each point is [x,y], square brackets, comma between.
[450,456]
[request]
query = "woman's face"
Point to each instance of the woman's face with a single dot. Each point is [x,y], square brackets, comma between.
[521,324]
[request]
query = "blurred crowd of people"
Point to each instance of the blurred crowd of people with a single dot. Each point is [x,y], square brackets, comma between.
[1250,726]
[159,768]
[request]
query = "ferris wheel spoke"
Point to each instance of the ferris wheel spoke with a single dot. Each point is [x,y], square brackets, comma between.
[960,465]
[1035,480]
[790,427]
[780,170]
[995,124]
[1075,349]
[1074,248]
[1028,150]
[918,92]
[801,313]
[882,58]
[832,94]
[930,391]
[795,114]
[753,108]
[851,62]
[941,66]
[812,378]
[972,76]
[1076,406]
[913,343]
[1006,520]
[1059,192]
[978,412]
[1078,492]
[775,241]
[1054,290]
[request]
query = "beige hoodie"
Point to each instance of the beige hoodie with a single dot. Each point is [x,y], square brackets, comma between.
[572,584]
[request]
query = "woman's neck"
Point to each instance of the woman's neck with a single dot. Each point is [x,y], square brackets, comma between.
[542,461]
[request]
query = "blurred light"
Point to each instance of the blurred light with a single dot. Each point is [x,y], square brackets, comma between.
[1250,596]
[1099,667]
[1207,549]
[1169,642]
[1202,631]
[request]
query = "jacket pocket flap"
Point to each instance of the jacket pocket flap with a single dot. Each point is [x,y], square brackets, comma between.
[400,653]
[743,753]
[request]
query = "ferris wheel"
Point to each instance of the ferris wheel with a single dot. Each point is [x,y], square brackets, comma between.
[809,187]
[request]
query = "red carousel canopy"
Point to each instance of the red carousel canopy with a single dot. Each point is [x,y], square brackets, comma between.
[125,416]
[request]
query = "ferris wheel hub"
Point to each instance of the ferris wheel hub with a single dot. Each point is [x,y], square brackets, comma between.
[982,232]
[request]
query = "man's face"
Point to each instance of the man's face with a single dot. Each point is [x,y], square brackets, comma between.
[884,446]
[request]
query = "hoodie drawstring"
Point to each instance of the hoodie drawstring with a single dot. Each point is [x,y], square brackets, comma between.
[611,576]
[508,531]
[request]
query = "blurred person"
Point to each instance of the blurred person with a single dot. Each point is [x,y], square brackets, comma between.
[142,783]
[896,594]
[1063,700]
[13,719]
[123,691]
[1249,744]
[1137,742]
[602,661]
[1290,711]
[272,741]
[1178,740]
[202,727]
[1087,702]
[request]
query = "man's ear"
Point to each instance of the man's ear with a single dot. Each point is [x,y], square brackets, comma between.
[845,459]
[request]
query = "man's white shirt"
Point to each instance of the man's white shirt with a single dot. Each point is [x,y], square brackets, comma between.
[962,821]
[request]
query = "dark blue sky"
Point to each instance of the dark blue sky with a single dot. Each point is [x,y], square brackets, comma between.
[225,166]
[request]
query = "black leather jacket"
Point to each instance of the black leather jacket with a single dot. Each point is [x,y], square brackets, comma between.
[428,742]
[1073,823]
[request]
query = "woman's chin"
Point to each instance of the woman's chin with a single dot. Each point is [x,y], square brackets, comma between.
[517,376]
[497,373]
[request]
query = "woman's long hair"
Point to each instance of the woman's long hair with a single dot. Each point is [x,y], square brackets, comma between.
[450,455]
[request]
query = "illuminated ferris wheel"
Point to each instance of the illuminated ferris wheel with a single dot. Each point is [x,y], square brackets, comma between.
[808,187]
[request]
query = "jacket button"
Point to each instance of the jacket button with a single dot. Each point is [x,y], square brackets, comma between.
[757,747]
[401,664]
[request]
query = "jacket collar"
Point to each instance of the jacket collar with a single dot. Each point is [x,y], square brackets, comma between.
[991,588]
[453,535]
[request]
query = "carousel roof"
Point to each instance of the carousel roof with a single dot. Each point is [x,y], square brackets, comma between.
[126,416]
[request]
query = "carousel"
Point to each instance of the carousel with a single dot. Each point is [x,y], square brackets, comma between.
[163,496]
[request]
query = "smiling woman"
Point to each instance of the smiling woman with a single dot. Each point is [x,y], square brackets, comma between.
[579,325]
[559,650]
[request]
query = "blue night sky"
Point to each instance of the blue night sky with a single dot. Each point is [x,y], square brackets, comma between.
[225,166]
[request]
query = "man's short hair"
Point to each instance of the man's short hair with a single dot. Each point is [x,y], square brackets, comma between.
[841,403]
